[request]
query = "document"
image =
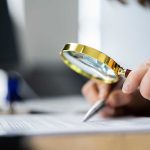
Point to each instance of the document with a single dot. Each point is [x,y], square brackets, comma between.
[54,105]
[64,115]
[72,123]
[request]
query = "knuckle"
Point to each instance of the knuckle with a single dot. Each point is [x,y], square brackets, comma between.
[91,97]
[112,99]
[83,90]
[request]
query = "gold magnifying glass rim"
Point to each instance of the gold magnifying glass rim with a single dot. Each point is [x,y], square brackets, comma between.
[94,53]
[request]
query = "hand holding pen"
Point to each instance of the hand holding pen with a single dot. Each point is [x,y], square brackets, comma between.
[116,103]
[94,64]
[96,92]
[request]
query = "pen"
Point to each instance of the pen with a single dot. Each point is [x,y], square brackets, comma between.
[94,109]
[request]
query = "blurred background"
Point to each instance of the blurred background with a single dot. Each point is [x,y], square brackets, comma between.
[33,32]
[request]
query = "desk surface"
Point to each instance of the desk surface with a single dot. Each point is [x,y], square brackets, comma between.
[138,141]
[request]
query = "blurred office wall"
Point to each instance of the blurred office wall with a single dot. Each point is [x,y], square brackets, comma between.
[125,32]
[47,25]
[43,27]
[89,22]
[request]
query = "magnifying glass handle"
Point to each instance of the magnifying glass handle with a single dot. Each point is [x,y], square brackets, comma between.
[127,72]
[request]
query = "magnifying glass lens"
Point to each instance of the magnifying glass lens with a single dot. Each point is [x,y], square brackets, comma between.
[90,66]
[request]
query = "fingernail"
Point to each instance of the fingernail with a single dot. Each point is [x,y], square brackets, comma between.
[126,87]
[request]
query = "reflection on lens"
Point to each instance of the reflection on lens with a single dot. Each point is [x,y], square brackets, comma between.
[91,66]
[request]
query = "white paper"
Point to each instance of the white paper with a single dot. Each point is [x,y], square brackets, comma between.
[54,104]
[68,124]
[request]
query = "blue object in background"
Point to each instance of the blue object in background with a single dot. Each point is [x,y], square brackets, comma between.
[14,82]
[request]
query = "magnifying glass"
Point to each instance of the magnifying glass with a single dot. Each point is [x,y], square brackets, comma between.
[92,63]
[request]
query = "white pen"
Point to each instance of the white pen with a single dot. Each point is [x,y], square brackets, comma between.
[94,109]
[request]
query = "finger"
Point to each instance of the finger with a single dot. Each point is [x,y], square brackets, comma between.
[145,85]
[134,78]
[121,111]
[87,86]
[107,112]
[104,90]
[114,112]
[118,99]
[90,92]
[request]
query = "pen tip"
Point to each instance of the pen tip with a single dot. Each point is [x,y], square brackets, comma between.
[94,109]
[84,119]
[87,116]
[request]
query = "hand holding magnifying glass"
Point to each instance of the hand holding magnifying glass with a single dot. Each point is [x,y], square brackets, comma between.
[92,63]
